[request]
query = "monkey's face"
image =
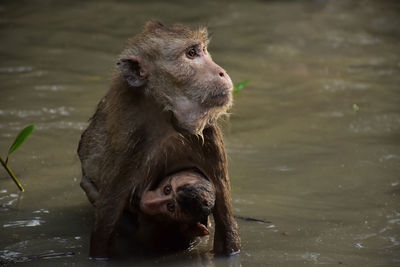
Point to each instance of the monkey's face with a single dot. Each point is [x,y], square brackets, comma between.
[206,82]
[193,74]
[172,65]
[162,203]
[198,90]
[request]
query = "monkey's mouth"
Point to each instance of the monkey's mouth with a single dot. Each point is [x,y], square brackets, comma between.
[221,98]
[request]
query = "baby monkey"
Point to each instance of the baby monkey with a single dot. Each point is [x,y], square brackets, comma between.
[174,213]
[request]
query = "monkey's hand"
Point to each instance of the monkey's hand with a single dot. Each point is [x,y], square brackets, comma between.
[227,241]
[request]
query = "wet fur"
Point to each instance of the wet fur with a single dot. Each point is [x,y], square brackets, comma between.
[134,140]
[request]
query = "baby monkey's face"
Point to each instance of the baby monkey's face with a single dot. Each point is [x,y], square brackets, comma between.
[162,203]
[178,199]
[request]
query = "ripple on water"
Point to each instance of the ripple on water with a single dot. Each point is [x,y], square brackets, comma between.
[18,69]
[9,199]
[49,88]
[41,211]
[358,245]
[365,236]
[25,223]
[344,38]
[62,111]
[310,256]
[386,237]
[283,168]
[62,125]
[394,240]
[333,114]
[14,252]
[389,157]
[9,255]
[386,123]
[336,85]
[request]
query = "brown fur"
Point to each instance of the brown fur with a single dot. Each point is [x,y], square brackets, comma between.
[159,117]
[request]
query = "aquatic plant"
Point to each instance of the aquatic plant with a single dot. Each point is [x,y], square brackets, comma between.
[356,108]
[239,86]
[19,140]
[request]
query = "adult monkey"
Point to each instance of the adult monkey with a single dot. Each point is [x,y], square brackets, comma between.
[158,118]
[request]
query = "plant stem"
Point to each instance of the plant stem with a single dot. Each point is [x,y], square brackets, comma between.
[11,174]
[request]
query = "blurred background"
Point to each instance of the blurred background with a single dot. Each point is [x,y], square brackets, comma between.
[313,139]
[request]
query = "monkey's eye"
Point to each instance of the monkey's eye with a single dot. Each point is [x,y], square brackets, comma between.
[171,206]
[167,189]
[191,53]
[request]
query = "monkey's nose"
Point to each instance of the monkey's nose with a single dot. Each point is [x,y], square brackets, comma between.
[221,74]
[152,202]
[156,202]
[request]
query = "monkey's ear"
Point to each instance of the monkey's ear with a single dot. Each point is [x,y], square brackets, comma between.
[133,71]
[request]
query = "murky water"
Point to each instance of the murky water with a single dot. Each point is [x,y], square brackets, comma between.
[326,176]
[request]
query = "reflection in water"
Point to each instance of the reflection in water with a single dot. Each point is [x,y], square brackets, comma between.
[301,157]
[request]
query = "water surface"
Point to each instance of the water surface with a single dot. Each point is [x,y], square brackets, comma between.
[301,157]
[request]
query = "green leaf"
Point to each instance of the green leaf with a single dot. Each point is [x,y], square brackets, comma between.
[356,108]
[21,138]
[239,86]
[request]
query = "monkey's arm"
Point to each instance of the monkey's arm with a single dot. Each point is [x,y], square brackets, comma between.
[109,208]
[90,189]
[226,237]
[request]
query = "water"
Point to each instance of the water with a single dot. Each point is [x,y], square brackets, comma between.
[326,176]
